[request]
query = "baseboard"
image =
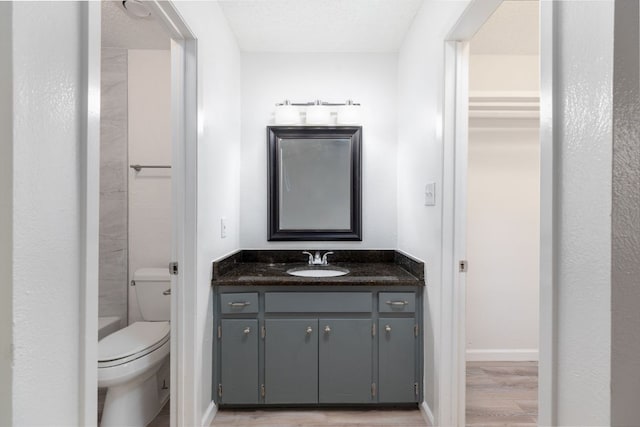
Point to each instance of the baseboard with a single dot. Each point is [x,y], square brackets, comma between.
[502,355]
[427,414]
[209,414]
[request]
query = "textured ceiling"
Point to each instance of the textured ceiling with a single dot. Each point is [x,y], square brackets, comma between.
[512,30]
[320,25]
[123,31]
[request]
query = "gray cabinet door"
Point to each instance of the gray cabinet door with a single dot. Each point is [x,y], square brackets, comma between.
[239,347]
[345,361]
[396,357]
[291,361]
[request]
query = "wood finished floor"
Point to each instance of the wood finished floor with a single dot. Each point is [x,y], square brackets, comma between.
[502,394]
[320,417]
[498,394]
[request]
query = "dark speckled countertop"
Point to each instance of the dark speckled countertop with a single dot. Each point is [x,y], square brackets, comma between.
[366,268]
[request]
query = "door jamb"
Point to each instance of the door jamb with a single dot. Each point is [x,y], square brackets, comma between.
[452,355]
[185,390]
[90,213]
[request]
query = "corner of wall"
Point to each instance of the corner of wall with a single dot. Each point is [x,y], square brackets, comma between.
[6,213]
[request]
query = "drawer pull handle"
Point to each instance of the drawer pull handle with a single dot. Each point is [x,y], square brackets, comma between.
[247,330]
[387,328]
[239,304]
[309,330]
[402,303]
[327,329]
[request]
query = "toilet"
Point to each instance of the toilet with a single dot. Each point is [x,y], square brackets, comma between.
[133,362]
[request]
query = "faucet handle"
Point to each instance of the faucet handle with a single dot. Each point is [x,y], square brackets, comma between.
[324,258]
[310,256]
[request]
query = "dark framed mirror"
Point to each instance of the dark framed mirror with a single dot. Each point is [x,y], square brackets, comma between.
[315,183]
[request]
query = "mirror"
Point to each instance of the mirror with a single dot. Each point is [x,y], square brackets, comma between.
[314,183]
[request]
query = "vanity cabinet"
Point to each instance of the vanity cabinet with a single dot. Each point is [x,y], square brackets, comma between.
[291,361]
[239,345]
[345,361]
[318,361]
[239,338]
[321,347]
[396,374]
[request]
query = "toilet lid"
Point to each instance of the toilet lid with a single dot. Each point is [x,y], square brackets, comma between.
[131,340]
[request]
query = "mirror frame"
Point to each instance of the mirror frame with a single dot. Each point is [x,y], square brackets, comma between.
[274,133]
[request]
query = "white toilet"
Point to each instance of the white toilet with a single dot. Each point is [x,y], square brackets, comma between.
[133,363]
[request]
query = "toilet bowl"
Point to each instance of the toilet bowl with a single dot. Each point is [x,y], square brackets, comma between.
[133,362]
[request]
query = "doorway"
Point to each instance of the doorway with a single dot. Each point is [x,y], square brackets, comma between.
[182,94]
[135,184]
[503,219]
[465,112]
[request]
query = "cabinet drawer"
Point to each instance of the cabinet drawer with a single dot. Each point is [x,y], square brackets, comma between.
[397,302]
[239,303]
[320,302]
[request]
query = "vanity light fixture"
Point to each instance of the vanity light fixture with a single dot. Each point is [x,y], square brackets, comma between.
[287,114]
[318,113]
[349,114]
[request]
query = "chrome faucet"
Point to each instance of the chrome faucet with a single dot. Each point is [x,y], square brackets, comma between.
[316,259]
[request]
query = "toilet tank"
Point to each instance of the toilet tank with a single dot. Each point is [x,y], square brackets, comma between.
[150,285]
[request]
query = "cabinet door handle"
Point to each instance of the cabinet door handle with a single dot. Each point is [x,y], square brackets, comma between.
[387,328]
[247,330]
[327,329]
[239,304]
[403,303]
[309,330]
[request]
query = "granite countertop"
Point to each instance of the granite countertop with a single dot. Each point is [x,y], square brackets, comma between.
[366,268]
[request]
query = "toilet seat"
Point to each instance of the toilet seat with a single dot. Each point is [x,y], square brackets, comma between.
[131,343]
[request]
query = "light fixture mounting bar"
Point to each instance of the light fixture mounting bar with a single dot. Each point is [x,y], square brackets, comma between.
[306,104]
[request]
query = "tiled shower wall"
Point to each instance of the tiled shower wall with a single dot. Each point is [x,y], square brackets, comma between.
[113,185]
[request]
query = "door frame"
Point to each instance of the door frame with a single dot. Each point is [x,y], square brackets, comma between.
[452,393]
[184,380]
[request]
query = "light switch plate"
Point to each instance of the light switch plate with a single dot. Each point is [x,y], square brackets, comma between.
[223,228]
[430,194]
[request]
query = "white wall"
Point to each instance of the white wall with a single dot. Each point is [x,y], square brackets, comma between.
[504,73]
[503,216]
[369,79]
[149,118]
[583,65]
[47,117]
[420,151]
[218,160]
[6,212]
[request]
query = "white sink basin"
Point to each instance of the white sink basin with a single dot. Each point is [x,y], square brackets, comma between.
[317,271]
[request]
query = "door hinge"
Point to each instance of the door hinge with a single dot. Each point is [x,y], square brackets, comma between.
[373,330]
[415,329]
[219,332]
[173,268]
[415,388]
[219,390]
[262,391]
[463,265]
[373,389]
[263,332]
